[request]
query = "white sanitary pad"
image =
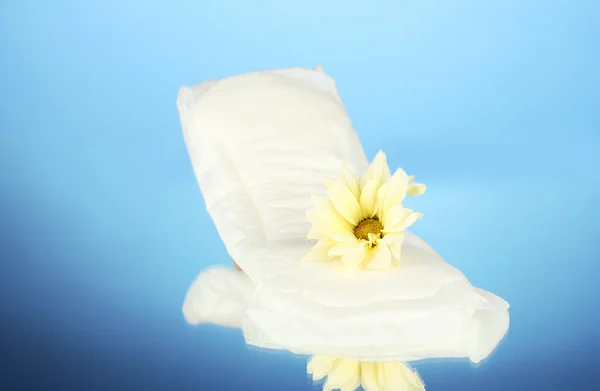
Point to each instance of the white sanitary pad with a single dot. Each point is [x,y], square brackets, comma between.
[261,144]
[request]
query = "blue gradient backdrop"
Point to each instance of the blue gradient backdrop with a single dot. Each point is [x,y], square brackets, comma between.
[495,105]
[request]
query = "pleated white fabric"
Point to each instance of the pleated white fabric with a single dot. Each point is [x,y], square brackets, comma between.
[260,144]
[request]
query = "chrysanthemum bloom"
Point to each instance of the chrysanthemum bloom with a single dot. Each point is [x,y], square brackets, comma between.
[348,375]
[361,222]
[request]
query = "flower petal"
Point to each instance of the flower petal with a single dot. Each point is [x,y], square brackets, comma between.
[345,203]
[378,170]
[411,376]
[379,257]
[396,191]
[409,217]
[393,217]
[326,222]
[350,252]
[351,268]
[381,378]
[343,237]
[321,202]
[319,252]
[372,238]
[394,242]
[320,365]
[369,378]
[341,374]
[341,249]
[351,180]
[353,383]
[368,199]
[354,263]
[381,193]
[419,382]
[394,379]
[329,182]
[416,189]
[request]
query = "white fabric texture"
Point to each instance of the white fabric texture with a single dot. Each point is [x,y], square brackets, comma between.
[261,143]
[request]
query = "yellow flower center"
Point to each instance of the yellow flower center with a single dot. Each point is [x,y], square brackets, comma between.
[366,227]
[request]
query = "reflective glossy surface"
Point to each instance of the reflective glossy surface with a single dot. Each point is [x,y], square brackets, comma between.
[103,227]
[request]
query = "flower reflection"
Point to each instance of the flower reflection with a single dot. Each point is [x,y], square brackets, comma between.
[348,375]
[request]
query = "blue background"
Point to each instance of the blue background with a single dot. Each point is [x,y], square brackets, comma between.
[495,105]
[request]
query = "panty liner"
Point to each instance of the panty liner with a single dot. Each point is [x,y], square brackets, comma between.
[261,144]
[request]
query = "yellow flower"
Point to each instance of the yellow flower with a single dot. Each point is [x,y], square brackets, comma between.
[361,222]
[348,375]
